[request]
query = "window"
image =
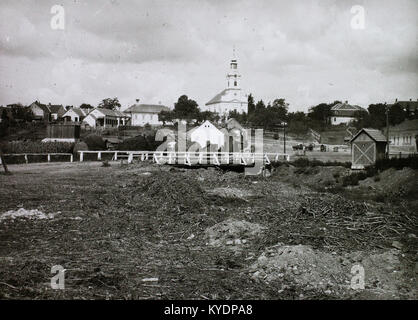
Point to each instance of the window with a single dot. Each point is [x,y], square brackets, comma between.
[235,83]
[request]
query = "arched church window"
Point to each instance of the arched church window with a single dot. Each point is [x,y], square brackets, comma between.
[235,83]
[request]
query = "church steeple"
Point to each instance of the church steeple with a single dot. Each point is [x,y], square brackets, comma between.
[233,74]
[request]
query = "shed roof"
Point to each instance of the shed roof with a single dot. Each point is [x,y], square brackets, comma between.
[374,134]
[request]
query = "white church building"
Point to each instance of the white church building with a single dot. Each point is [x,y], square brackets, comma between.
[231,98]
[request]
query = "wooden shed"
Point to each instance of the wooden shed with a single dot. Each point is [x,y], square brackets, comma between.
[367,146]
[63,131]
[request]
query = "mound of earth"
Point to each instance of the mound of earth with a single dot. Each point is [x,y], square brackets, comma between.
[301,265]
[173,188]
[316,177]
[232,232]
[317,270]
[392,182]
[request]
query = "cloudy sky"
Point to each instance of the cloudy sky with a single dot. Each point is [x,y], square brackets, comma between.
[304,51]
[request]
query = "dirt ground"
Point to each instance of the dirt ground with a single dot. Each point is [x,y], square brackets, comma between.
[144,231]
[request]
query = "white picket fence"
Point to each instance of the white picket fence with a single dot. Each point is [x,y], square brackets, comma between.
[191,158]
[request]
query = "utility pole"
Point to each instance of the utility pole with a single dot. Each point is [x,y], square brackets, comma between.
[387,130]
[284,137]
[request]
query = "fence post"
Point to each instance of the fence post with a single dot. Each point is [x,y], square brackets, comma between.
[26,158]
[116,155]
[99,155]
[81,156]
[71,158]
[49,157]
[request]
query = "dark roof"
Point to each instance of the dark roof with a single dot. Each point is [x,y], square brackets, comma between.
[54,108]
[78,111]
[375,134]
[13,105]
[44,107]
[412,106]
[146,108]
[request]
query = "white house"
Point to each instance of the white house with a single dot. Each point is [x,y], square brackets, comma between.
[142,114]
[232,98]
[205,133]
[74,115]
[344,113]
[101,117]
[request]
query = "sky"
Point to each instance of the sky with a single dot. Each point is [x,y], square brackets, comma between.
[305,51]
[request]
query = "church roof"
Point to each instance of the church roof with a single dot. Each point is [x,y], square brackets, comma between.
[220,97]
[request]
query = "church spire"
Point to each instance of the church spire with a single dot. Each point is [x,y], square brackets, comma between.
[233,74]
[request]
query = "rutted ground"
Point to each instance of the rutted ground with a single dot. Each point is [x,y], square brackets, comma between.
[198,234]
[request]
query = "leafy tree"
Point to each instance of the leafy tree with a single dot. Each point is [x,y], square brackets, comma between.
[260,106]
[87,106]
[280,107]
[377,116]
[186,108]
[320,112]
[208,115]
[251,105]
[397,114]
[110,103]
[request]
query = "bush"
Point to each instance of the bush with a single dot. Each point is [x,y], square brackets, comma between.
[39,147]
[95,142]
[398,163]
[142,142]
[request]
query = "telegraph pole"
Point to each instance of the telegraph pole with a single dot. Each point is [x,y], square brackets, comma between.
[387,130]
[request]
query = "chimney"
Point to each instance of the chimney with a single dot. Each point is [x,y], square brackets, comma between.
[346,101]
[137,100]
[396,100]
[410,99]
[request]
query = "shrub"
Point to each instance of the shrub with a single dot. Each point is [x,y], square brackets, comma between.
[39,147]
[142,142]
[398,163]
[95,142]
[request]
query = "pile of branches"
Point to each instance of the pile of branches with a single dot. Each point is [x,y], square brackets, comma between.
[175,189]
[358,218]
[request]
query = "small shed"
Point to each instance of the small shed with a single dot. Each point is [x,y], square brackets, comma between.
[367,146]
[206,133]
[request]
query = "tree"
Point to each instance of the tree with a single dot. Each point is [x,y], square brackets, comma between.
[86,106]
[280,107]
[208,115]
[320,112]
[397,114]
[377,116]
[109,103]
[251,105]
[186,108]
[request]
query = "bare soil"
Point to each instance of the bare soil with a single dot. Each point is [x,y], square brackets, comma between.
[200,234]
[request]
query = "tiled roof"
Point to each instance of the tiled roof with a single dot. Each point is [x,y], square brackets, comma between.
[146,108]
[54,108]
[346,106]
[111,113]
[375,134]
